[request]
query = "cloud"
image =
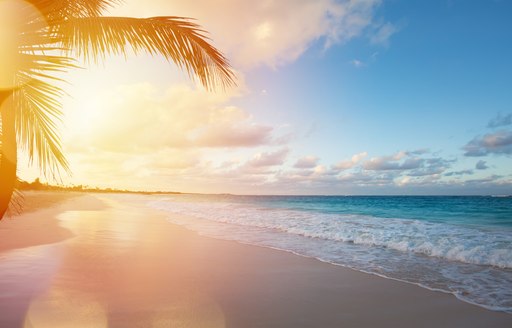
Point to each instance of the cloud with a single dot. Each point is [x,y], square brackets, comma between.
[493,143]
[367,179]
[141,136]
[418,151]
[307,162]
[142,117]
[490,179]
[481,165]
[406,170]
[260,169]
[379,165]
[271,33]
[268,159]
[357,63]
[345,165]
[431,167]
[392,163]
[383,33]
[500,120]
[407,162]
[459,173]
[193,170]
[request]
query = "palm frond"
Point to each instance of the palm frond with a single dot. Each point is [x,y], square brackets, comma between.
[77,25]
[55,10]
[38,110]
[177,39]
[16,203]
[36,97]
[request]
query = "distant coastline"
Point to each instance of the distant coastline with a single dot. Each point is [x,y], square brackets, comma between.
[37,185]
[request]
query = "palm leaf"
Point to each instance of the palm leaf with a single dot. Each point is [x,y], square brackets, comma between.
[177,39]
[36,97]
[55,10]
[38,109]
[16,203]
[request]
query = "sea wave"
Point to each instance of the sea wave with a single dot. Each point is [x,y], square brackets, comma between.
[474,245]
[471,262]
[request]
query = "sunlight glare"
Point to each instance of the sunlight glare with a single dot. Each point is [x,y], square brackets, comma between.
[83,114]
[197,310]
[16,19]
[62,308]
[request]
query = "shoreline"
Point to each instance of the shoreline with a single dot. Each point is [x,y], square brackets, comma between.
[345,267]
[40,210]
[127,257]
[24,230]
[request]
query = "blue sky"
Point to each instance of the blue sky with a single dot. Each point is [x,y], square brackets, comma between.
[443,75]
[435,84]
[334,97]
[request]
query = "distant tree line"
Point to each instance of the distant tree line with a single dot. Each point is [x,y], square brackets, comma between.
[38,185]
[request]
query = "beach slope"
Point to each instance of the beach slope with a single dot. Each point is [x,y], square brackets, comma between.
[106,260]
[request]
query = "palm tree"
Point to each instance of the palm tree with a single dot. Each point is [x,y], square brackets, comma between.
[41,41]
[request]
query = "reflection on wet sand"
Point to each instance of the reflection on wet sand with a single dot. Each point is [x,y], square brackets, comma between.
[120,270]
[59,308]
[24,274]
[126,266]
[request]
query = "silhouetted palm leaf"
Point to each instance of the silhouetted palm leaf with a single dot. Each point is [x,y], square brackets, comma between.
[45,41]
[36,97]
[61,9]
[176,38]
[37,111]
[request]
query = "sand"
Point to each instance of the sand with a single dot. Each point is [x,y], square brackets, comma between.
[34,228]
[100,260]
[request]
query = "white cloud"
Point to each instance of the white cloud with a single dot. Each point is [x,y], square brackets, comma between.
[306,162]
[267,32]
[357,63]
[383,33]
[481,165]
[195,170]
[499,142]
[408,163]
[459,173]
[269,158]
[392,162]
[500,120]
[345,165]
[144,137]
[142,117]
[404,181]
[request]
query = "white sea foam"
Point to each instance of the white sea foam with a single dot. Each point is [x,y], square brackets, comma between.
[473,263]
[451,242]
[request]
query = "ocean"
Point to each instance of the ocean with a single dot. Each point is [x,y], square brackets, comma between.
[455,244]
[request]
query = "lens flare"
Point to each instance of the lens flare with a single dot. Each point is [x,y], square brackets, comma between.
[61,308]
[197,310]
[19,21]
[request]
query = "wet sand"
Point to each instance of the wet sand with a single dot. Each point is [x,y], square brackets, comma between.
[106,260]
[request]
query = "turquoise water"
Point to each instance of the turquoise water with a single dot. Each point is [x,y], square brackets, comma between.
[455,244]
[471,210]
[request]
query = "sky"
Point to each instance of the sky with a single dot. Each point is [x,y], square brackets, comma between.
[332,97]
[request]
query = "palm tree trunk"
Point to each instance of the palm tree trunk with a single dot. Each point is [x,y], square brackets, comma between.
[8,152]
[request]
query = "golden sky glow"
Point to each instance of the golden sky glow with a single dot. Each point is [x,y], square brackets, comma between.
[325,103]
[13,14]
[127,127]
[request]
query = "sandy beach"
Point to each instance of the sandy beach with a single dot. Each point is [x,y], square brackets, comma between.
[98,260]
